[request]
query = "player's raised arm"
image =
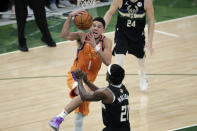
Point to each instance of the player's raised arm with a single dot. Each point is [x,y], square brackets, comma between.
[79,74]
[66,27]
[96,94]
[114,6]
[90,96]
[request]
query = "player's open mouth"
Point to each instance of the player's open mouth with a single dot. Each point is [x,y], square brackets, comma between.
[94,33]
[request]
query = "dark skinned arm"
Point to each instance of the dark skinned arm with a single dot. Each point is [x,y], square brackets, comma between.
[97,95]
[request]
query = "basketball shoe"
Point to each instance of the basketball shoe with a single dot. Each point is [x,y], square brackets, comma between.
[23,47]
[55,122]
[143,81]
[48,42]
[53,7]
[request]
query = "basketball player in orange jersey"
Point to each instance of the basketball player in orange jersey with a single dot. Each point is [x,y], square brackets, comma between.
[93,50]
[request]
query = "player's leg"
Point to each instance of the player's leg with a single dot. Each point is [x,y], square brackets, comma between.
[38,8]
[142,65]
[21,15]
[74,94]
[137,49]
[119,58]
[141,58]
[81,111]
[78,125]
[72,105]
[82,108]
[121,47]
[142,74]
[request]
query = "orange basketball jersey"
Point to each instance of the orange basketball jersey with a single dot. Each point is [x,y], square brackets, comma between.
[88,60]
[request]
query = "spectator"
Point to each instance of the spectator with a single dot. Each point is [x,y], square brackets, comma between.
[12,16]
[4,5]
[52,5]
[38,8]
[66,3]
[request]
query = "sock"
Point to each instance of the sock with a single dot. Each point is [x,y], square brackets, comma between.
[78,122]
[142,65]
[63,114]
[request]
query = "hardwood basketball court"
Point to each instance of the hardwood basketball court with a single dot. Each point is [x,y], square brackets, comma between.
[33,85]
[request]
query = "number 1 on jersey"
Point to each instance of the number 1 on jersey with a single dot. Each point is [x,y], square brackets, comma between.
[130,23]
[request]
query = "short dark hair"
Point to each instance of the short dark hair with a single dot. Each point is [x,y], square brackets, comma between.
[100,19]
[116,74]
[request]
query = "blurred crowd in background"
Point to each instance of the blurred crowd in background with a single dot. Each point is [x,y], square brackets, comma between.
[52,5]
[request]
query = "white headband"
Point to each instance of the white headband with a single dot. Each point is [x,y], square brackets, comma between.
[108,69]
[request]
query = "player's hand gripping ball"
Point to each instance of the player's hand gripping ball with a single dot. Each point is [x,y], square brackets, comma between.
[83,21]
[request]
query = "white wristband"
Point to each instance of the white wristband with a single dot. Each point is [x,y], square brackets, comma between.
[97,48]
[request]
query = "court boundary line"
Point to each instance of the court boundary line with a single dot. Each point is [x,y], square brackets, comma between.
[177,19]
[182,127]
[59,76]
[167,33]
[157,23]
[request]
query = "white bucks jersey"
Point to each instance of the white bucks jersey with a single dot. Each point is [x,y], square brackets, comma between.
[132,15]
[116,115]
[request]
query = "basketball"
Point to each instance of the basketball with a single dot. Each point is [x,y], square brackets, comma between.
[84,21]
